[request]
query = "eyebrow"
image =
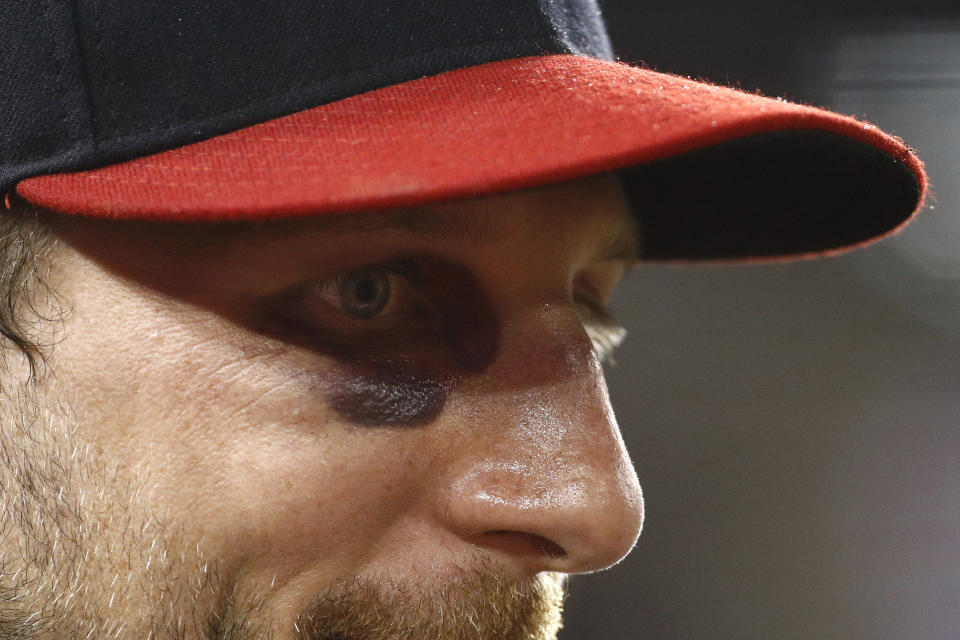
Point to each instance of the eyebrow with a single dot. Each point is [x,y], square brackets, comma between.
[620,244]
[417,223]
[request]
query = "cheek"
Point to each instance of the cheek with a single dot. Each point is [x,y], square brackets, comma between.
[240,449]
[286,481]
[320,500]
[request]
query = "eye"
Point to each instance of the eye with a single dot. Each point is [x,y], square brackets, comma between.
[413,307]
[366,309]
[364,294]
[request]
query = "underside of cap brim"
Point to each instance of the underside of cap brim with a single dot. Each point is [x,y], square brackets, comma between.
[713,173]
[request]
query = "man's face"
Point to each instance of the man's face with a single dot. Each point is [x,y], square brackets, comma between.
[385,425]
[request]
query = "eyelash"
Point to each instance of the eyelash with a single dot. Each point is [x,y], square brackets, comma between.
[408,318]
[605,333]
[395,272]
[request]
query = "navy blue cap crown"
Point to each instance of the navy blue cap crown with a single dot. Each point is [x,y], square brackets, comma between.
[92,82]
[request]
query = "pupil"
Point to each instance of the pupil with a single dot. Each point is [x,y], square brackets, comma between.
[366,291]
[365,294]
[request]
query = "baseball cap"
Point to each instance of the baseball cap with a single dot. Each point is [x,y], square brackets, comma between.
[182,110]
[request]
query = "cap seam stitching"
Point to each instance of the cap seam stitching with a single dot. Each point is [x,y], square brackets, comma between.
[57,60]
[84,74]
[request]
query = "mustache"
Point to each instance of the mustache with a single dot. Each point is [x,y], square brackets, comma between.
[474,603]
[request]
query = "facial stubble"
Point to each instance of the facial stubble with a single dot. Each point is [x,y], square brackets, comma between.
[84,555]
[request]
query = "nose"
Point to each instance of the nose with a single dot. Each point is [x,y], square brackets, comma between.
[542,476]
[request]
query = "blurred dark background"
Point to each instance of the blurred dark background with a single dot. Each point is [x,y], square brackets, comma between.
[794,426]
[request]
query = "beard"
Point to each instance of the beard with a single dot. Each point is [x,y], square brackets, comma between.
[475,604]
[83,556]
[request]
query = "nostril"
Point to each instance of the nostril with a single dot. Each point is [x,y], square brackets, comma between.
[521,542]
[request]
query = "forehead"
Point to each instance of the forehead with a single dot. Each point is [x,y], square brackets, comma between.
[593,207]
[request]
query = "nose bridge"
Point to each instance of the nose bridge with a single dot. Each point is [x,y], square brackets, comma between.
[555,397]
[546,390]
[545,462]
[544,347]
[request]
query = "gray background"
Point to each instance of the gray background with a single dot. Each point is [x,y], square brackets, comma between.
[794,426]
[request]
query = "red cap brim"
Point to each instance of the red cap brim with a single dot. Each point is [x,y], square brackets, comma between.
[493,127]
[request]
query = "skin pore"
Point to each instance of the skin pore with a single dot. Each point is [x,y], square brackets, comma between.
[370,427]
